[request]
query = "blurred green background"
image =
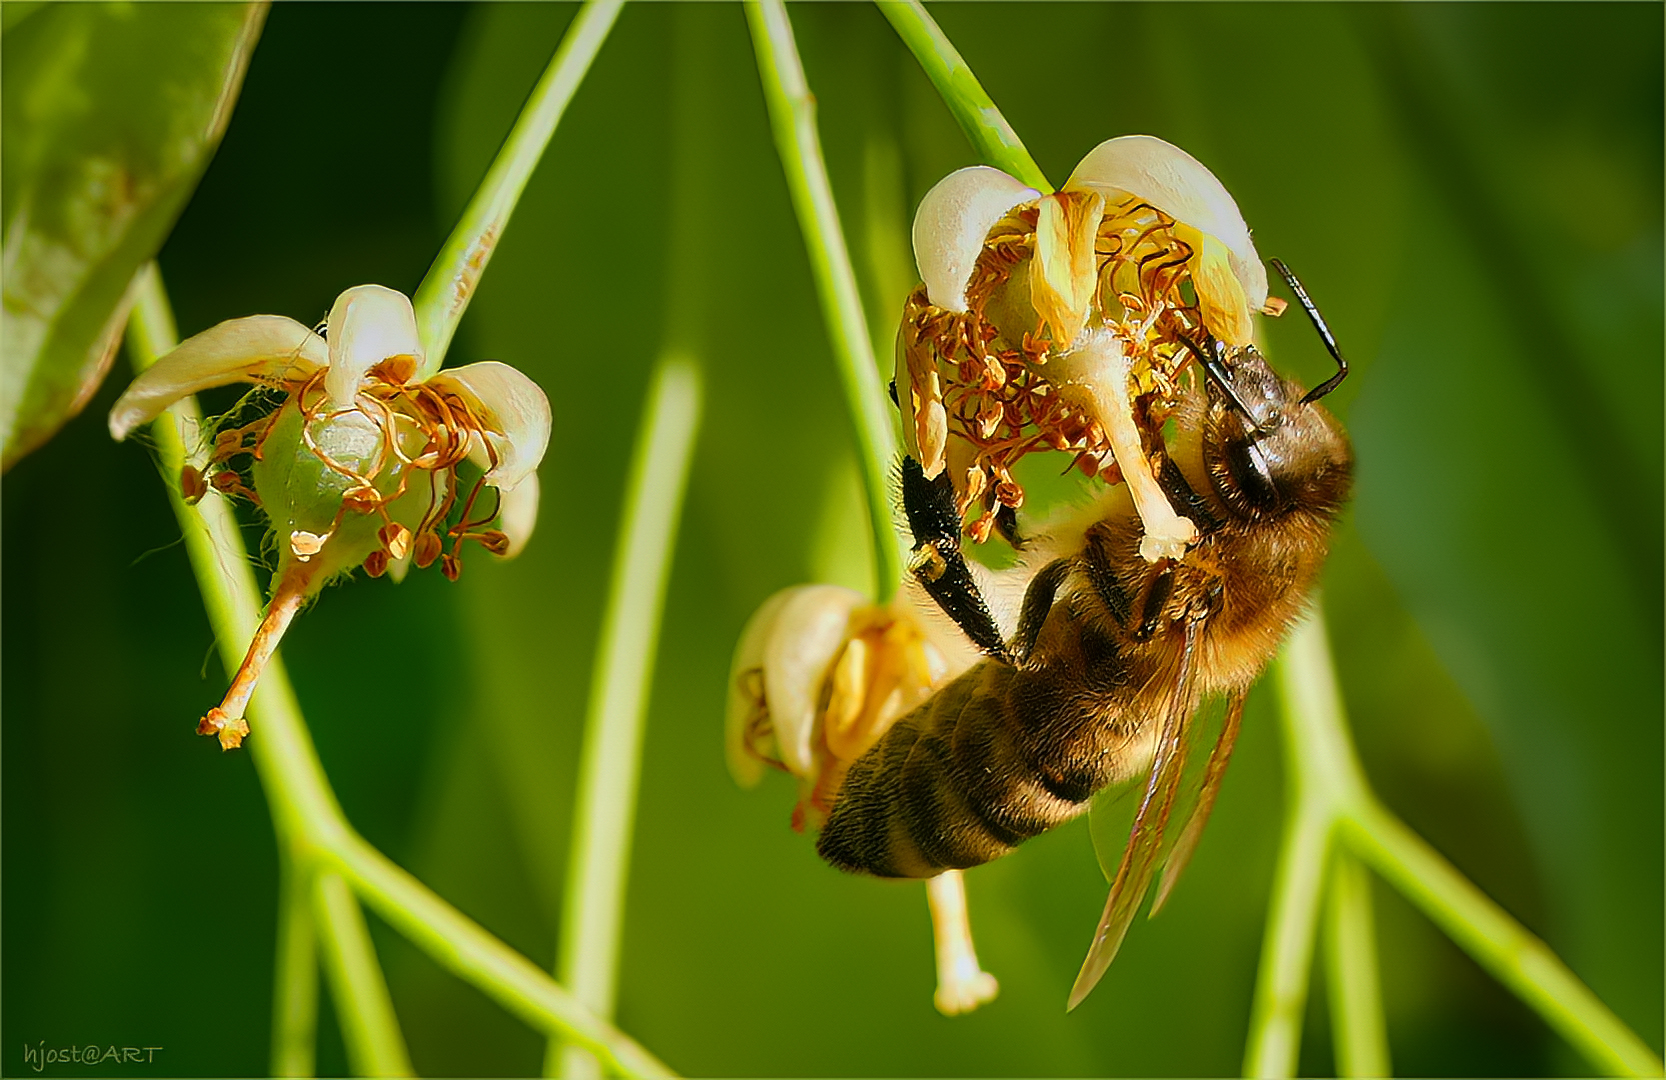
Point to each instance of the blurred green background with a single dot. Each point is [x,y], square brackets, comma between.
[1472,194]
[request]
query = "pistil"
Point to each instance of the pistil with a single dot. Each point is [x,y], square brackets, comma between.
[226,721]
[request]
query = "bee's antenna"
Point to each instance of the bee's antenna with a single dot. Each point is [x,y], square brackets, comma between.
[1211,361]
[1312,310]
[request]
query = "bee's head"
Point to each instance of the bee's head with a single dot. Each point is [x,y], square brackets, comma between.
[1268,448]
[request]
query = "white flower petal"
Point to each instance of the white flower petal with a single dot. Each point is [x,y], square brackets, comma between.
[1180,186]
[952,222]
[799,650]
[785,656]
[368,324]
[745,687]
[515,411]
[255,348]
[518,513]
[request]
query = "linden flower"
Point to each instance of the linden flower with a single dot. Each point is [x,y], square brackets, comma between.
[820,674]
[1062,321]
[357,465]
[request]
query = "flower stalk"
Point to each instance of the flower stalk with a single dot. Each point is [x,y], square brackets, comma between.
[986,129]
[593,911]
[1356,1006]
[308,819]
[792,114]
[449,285]
[295,984]
[1332,801]
[375,1046]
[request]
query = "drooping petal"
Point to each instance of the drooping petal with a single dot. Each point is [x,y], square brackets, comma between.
[516,414]
[952,222]
[518,513]
[253,349]
[779,678]
[1063,274]
[368,324]
[1220,294]
[1180,186]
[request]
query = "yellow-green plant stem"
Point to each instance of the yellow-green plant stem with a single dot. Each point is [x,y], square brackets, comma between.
[445,292]
[792,116]
[310,826]
[295,986]
[1287,945]
[1356,1007]
[610,764]
[1498,943]
[990,134]
[370,1029]
[1332,799]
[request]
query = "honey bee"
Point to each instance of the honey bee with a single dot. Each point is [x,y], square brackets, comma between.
[1112,654]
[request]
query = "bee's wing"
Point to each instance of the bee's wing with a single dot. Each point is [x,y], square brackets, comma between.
[1145,841]
[1186,843]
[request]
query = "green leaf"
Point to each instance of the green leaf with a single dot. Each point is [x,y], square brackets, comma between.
[111,112]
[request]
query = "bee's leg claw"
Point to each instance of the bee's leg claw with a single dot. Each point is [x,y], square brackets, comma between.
[961,984]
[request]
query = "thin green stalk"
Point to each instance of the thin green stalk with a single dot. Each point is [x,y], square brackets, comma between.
[1356,1005]
[444,294]
[304,809]
[1500,944]
[609,767]
[1318,774]
[295,984]
[460,946]
[1323,755]
[281,748]
[1287,950]
[370,1029]
[885,239]
[792,114]
[990,134]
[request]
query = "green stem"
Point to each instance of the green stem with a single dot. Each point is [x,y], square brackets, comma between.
[445,292]
[295,984]
[1500,944]
[304,810]
[990,134]
[460,946]
[370,1029]
[1351,972]
[1326,769]
[792,113]
[592,913]
[1287,952]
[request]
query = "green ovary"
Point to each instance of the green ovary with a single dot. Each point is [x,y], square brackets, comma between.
[300,492]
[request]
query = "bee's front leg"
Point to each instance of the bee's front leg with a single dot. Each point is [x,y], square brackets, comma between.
[939,565]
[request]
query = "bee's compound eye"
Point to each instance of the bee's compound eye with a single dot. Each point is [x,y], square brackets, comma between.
[1251,474]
